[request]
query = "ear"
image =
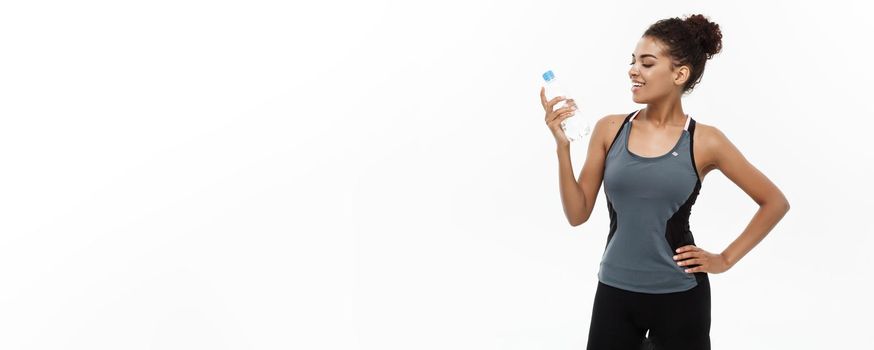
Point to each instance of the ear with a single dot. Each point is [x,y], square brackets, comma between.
[681,75]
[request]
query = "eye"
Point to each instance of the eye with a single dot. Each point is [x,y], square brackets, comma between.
[645,65]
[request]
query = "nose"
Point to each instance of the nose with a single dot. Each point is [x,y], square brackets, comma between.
[632,72]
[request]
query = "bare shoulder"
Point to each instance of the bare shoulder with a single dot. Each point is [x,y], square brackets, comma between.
[607,127]
[707,135]
[711,143]
[614,120]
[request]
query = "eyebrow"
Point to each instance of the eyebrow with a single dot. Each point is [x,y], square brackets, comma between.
[644,55]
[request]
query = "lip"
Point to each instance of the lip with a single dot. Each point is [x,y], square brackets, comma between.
[635,88]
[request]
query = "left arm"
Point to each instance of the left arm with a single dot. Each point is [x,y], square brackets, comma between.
[773,205]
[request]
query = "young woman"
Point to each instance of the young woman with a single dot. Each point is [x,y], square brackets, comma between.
[652,277]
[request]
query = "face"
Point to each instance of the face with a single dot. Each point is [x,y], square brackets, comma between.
[652,66]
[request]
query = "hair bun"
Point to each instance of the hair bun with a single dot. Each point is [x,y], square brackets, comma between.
[706,33]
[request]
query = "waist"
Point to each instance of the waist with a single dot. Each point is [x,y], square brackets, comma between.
[656,279]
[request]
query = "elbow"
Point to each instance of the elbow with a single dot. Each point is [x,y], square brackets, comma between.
[782,203]
[578,222]
[776,202]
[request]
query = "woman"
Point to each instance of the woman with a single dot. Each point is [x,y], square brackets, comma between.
[652,277]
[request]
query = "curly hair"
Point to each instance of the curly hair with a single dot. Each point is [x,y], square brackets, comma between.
[690,41]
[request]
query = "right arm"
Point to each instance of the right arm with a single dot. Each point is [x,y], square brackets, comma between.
[578,196]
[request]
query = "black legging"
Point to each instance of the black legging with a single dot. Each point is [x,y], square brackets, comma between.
[676,321]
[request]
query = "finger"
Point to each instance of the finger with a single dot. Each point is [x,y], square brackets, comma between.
[685,248]
[687,255]
[562,113]
[688,262]
[695,269]
[559,118]
[566,109]
[552,102]
[554,114]
[543,96]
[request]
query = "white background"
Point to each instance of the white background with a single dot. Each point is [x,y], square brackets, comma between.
[350,175]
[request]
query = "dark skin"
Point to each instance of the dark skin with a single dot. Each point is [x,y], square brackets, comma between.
[656,130]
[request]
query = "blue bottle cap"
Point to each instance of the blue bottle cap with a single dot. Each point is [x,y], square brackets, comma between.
[548,75]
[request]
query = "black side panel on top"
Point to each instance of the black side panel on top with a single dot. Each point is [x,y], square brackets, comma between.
[677,231]
[613,222]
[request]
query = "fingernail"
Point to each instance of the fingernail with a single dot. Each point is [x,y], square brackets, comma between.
[675,257]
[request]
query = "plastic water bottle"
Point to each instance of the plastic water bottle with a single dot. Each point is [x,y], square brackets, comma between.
[576,127]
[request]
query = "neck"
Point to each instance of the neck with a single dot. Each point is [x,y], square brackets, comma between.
[661,114]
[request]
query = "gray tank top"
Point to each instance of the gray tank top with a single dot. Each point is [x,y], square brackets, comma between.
[649,200]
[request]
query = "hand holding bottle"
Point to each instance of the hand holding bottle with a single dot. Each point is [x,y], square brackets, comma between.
[555,117]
